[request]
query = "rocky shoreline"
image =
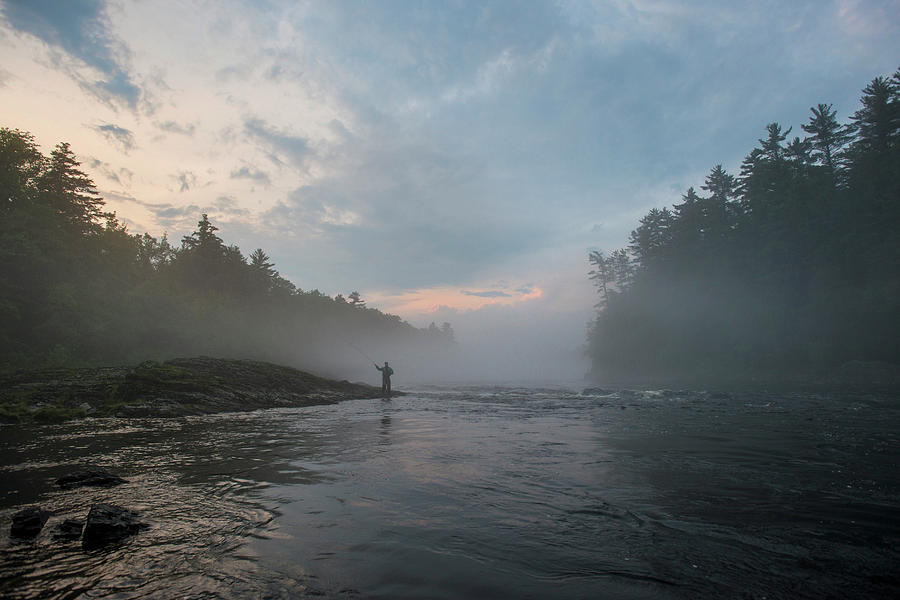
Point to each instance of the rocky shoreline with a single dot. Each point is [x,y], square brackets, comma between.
[174,388]
[105,523]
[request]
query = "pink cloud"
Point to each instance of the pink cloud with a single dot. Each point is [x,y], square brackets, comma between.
[430,300]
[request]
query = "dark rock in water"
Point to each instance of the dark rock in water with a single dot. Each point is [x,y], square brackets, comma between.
[107,523]
[28,522]
[89,476]
[70,529]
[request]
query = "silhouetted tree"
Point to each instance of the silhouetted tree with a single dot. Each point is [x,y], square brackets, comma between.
[77,288]
[356,300]
[792,267]
[827,137]
[602,276]
[70,191]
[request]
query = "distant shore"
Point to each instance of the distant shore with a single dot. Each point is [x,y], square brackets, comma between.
[857,376]
[174,388]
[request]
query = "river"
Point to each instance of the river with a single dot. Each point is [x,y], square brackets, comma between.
[476,492]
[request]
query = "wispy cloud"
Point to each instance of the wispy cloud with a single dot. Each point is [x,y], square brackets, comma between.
[173,127]
[164,213]
[229,206]
[186,180]
[119,136]
[487,294]
[251,174]
[121,175]
[81,29]
[282,147]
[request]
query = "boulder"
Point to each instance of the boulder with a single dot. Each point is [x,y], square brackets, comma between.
[28,522]
[107,524]
[70,529]
[89,476]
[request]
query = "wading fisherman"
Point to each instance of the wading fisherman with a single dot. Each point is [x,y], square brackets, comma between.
[386,373]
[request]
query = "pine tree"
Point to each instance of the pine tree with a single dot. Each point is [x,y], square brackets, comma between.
[827,137]
[602,275]
[259,260]
[356,300]
[70,191]
[204,240]
[21,164]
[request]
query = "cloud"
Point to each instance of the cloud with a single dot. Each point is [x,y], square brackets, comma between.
[251,174]
[281,147]
[82,30]
[173,214]
[186,180]
[121,137]
[5,77]
[232,72]
[228,206]
[173,127]
[184,216]
[312,213]
[122,175]
[488,294]
[164,213]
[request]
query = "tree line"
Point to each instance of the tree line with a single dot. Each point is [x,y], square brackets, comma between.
[790,267]
[76,288]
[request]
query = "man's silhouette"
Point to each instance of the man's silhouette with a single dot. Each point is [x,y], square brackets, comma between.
[386,372]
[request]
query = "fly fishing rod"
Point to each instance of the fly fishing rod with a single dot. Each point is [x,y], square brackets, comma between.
[361,352]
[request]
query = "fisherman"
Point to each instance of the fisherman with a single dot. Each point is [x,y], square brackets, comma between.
[386,372]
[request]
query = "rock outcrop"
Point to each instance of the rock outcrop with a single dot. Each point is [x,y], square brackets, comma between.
[178,387]
[68,530]
[28,522]
[107,524]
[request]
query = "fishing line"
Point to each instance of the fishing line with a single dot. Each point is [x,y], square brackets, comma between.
[361,352]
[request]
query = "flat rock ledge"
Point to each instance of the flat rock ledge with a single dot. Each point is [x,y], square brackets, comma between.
[178,387]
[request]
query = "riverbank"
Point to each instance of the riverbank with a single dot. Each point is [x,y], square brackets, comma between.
[855,376]
[174,388]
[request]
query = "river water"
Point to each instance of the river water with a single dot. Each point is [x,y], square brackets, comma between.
[476,493]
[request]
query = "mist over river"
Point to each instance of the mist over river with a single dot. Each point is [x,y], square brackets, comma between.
[476,493]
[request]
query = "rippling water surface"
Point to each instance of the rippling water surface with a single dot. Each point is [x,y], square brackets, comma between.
[476,493]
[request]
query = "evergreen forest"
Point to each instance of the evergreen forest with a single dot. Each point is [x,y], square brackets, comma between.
[785,270]
[78,289]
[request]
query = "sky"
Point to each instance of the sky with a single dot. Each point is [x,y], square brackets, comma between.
[451,161]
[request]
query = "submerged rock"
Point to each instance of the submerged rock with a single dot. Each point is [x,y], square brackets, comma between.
[28,522]
[89,476]
[70,529]
[107,524]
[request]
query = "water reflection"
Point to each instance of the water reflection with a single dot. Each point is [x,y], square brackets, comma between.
[385,430]
[480,493]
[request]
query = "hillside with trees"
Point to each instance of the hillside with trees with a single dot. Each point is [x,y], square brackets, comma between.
[789,268]
[76,288]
